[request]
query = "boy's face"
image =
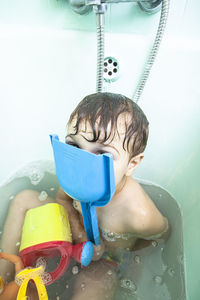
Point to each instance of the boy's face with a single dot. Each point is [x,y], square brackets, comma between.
[121,158]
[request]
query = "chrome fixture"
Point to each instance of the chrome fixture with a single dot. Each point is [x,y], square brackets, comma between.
[154,50]
[100,17]
[99,7]
[150,7]
[84,6]
[111,69]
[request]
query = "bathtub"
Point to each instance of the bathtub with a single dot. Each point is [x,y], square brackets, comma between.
[48,64]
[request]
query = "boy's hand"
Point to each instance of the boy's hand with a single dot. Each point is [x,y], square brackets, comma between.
[98,251]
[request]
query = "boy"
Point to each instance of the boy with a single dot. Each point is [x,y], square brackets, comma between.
[103,123]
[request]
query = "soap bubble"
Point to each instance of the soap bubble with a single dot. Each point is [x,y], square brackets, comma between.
[35,177]
[43,196]
[46,277]
[158,279]
[180,258]
[124,236]
[171,272]
[164,267]
[137,259]
[75,270]
[41,262]
[128,284]
[154,243]
[83,285]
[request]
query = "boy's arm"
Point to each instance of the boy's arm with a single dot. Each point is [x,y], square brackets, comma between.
[152,225]
[147,221]
[77,228]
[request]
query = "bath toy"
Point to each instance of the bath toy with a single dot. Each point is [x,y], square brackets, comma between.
[34,274]
[9,291]
[46,233]
[86,177]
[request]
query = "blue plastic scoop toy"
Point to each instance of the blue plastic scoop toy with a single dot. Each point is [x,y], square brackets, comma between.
[86,177]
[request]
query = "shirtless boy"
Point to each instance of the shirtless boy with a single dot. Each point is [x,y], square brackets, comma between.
[101,123]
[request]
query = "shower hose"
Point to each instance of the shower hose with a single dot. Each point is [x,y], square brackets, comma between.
[150,60]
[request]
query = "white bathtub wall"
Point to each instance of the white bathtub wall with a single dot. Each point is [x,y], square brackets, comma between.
[48,64]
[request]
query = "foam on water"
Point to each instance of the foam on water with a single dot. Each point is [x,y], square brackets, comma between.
[34,171]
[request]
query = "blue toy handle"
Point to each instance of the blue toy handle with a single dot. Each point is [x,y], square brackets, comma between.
[90,222]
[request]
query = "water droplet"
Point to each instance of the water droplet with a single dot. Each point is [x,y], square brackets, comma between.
[180,259]
[164,267]
[137,259]
[18,244]
[52,189]
[83,285]
[109,272]
[43,196]
[128,284]
[154,243]
[67,286]
[11,197]
[171,272]
[158,279]
[124,236]
[110,234]
[75,270]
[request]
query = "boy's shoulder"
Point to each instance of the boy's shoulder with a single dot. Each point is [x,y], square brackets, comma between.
[143,216]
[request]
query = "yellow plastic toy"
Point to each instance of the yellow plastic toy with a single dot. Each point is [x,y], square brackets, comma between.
[23,278]
[46,233]
[17,289]
[1,285]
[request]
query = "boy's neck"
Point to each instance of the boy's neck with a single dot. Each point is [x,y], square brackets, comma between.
[121,186]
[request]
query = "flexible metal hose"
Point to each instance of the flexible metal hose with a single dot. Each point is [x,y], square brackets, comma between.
[100,50]
[154,50]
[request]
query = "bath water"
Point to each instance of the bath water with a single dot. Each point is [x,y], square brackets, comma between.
[149,273]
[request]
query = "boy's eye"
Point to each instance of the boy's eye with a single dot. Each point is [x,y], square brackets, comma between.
[73,144]
[100,152]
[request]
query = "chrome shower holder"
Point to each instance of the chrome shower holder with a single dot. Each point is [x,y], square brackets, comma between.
[85,6]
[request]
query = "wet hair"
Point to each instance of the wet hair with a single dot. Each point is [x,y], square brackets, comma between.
[105,108]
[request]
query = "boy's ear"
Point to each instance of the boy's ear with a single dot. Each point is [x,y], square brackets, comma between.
[133,163]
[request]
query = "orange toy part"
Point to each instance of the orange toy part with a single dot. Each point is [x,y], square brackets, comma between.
[10,290]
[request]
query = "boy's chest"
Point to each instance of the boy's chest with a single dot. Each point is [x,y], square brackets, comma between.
[112,219]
